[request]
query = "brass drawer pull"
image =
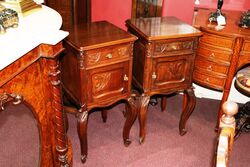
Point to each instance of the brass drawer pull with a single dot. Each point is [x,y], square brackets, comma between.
[174,47]
[125,78]
[211,55]
[154,75]
[209,68]
[207,80]
[109,56]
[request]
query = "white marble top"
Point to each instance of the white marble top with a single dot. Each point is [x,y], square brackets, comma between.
[42,26]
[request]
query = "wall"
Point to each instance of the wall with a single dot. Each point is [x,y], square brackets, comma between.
[182,9]
[241,5]
[117,11]
[114,11]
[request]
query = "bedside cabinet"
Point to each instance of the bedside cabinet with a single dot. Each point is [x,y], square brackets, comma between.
[163,62]
[97,72]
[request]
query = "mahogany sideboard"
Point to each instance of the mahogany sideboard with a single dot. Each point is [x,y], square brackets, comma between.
[163,62]
[97,72]
[221,52]
[29,71]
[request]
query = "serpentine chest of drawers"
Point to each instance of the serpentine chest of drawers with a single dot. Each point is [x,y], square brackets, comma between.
[97,72]
[163,62]
[221,52]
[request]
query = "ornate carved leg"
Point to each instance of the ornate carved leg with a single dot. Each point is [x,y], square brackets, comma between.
[61,138]
[9,97]
[130,118]
[191,101]
[82,122]
[163,103]
[104,115]
[143,104]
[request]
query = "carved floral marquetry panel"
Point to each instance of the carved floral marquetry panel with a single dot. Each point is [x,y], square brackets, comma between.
[165,47]
[171,71]
[93,58]
[100,81]
[123,51]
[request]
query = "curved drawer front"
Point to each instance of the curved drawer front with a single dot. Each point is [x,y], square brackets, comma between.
[246,46]
[217,40]
[210,67]
[213,53]
[106,55]
[213,81]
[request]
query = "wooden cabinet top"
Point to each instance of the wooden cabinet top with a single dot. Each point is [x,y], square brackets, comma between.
[156,28]
[231,28]
[86,36]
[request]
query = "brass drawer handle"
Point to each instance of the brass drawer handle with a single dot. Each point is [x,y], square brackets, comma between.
[174,47]
[125,78]
[209,68]
[211,55]
[154,75]
[207,80]
[109,56]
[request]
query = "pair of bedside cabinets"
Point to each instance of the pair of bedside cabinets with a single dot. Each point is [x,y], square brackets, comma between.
[102,62]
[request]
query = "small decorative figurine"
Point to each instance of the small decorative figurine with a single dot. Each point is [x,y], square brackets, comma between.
[8,18]
[213,16]
[245,19]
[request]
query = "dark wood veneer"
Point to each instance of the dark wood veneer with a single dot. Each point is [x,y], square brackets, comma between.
[97,72]
[163,62]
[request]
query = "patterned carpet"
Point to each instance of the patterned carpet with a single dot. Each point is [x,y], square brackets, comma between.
[163,147]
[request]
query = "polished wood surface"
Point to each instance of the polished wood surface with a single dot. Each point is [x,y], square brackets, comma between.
[157,28]
[88,36]
[221,52]
[97,72]
[226,134]
[35,77]
[144,8]
[163,62]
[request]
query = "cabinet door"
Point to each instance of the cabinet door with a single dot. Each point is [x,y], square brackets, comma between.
[108,83]
[172,72]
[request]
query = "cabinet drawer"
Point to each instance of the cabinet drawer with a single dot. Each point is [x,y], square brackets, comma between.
[246,46]
[213,53]
[106,55]
[168,46]
[214,81]
[210,66]
[217,40]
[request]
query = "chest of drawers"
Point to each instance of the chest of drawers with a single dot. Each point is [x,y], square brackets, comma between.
[163,62]
[220,53]
[97,72]
[213,61]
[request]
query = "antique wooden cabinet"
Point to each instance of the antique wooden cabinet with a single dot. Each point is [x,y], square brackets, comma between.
[163,62]
[221,52]
[97,72]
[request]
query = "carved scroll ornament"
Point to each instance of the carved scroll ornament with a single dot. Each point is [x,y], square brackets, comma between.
[9,97]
